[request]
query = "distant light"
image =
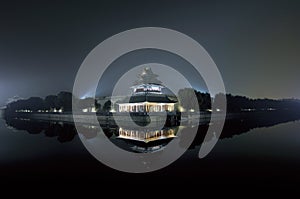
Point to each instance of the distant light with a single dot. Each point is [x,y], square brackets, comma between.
[248,109]
[181,109]
[112,110]
[218,110]
[87,95]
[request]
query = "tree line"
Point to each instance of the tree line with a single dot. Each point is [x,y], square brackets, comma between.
[62,102]
[188,99]
[191,99]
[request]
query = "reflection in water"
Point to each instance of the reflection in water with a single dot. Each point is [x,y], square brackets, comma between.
[147,135]
[243,123]
[146,140]
[151,140]
[64,132]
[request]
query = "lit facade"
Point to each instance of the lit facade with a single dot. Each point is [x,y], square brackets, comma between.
[146,107]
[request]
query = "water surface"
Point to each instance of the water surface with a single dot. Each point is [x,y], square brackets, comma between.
[247,153]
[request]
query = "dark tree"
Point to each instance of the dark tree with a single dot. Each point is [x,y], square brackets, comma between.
[65,101]
[107,106]
[97,106]
[206,102]
[51,102]
[35,103]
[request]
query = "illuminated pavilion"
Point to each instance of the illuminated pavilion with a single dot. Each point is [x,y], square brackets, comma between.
[147,96]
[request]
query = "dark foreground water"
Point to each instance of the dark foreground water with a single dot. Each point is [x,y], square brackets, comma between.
[260,153]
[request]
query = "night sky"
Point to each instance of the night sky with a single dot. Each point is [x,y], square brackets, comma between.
[256,45]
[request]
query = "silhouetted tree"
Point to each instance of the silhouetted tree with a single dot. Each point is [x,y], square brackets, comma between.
[65,101]
[206,101]
[107,106]
[97,106]
[35,104]
[51,102]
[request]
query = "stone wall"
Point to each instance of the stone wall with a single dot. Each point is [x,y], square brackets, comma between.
[121,119]
[89,119]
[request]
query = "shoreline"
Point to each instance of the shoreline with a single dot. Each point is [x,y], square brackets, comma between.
[121,119]
[112,120]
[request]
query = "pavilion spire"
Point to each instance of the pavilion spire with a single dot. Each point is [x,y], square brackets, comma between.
[147,77]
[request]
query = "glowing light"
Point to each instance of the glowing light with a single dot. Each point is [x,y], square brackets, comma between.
[181,109]
[112,110]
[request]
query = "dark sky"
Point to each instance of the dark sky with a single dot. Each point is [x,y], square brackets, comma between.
[255,44]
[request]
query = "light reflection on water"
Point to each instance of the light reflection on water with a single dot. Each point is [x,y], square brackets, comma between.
[147,140]
[248,147]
